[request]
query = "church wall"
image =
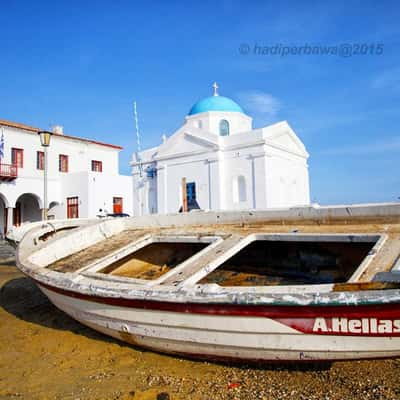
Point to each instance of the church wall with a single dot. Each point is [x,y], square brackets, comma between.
[238,122]
[214,171]
[194,169]
[152,202]
[135,193]
[210,121]
[145,193]
[244,165]
[259,181]
[162,189]
[286,179]
[235,166]
[248,138]
[199,121]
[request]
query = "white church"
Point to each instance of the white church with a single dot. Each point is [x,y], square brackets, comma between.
[224,163]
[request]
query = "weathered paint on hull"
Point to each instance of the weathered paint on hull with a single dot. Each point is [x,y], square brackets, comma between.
[226,332]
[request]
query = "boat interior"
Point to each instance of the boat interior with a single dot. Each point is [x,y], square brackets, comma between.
[228,260]
[264,253]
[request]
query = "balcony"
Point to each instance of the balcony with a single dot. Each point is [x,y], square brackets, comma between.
[8,172]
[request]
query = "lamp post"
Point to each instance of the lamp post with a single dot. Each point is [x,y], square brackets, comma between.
[45,141]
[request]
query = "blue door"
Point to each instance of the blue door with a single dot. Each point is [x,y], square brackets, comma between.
[191,192]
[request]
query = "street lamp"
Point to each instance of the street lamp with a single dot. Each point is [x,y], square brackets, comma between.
[45,141]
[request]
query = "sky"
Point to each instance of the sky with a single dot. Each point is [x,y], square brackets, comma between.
[331,69]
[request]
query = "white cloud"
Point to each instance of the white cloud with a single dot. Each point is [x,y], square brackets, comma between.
[389,145]
[260,103]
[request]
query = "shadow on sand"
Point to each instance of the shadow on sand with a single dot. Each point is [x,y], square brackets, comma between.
[22,298]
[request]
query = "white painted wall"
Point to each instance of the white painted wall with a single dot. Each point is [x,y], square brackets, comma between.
[239,162]
[102,188]
[92,188]
[249,169]
[76,185]
[209,121]
[80,153]
[287,180]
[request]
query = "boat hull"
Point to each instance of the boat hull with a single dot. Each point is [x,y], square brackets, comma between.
[240,332]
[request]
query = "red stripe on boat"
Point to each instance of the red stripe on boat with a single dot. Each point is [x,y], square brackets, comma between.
[353,320]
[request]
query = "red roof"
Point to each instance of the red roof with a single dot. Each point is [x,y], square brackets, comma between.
[36,130]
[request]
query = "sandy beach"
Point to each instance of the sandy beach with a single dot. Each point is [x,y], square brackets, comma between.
[47,355]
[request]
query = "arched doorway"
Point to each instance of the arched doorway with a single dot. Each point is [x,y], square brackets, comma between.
[3,216]
[27,209]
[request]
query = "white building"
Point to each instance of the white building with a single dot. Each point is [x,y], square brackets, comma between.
[227,165]
[82,177]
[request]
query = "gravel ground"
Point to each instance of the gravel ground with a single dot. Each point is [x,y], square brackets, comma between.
[47,355]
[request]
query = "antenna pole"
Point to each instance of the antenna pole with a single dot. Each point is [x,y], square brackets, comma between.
[137,139]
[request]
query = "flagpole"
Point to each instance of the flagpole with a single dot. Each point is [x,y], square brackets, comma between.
[137,138]
[2,144]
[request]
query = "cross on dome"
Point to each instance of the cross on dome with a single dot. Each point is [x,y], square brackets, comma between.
[215,103]
[215,86]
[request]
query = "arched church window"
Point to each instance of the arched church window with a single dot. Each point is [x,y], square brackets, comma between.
[224,127]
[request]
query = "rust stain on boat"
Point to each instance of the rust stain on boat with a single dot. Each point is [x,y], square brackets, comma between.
[128,338]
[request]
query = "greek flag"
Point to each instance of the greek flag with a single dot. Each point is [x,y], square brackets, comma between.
[2,144]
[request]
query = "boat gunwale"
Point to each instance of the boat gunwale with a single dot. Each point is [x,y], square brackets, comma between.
[307,294]
[364,298]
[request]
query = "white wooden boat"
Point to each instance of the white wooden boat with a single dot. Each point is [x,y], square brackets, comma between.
[297,284]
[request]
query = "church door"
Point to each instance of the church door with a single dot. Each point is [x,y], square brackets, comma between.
[191,196]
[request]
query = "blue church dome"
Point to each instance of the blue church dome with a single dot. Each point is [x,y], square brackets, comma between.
[215,103]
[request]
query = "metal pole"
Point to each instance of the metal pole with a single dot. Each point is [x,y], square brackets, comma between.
[139,149]
[184,196]
[45,185]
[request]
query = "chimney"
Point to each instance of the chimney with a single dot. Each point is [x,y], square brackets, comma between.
[58,130]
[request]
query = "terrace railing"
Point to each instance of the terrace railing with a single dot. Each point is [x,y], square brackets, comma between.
[8,172]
